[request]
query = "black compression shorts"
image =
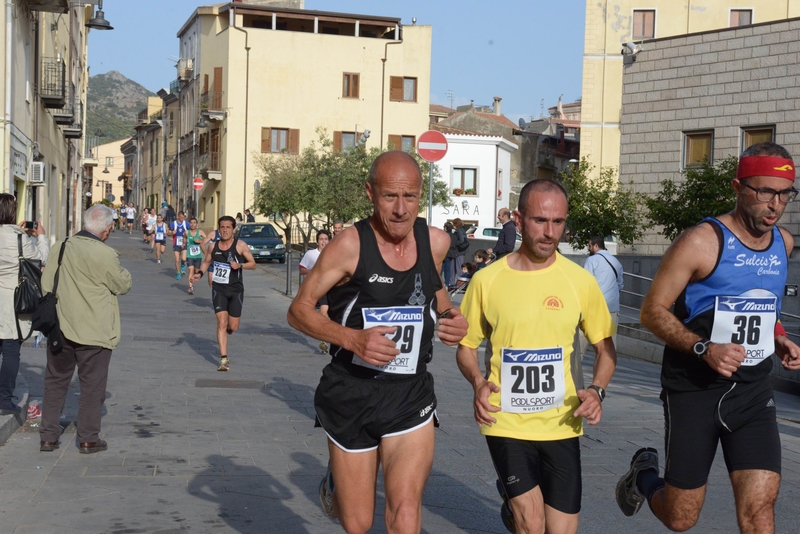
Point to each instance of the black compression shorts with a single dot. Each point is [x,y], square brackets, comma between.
[741,416]
[555,466]
[225,300]
[357,413]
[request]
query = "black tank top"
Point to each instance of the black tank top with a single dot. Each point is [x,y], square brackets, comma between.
[375,286]
[221,268]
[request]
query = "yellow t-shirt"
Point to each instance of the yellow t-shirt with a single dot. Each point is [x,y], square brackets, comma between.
[535,316]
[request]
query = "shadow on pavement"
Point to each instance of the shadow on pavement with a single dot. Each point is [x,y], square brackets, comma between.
[458,503]
[207,348]
[248,499]
[298,397]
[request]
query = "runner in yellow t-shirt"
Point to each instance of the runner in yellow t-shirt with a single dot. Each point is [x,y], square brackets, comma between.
[530,306]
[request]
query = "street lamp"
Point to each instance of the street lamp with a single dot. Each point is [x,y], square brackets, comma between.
[99,21]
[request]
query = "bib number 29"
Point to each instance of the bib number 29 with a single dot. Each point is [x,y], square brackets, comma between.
[748,329]
[534,378]
[406,335]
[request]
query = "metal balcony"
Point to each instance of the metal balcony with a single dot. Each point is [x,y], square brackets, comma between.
[175,87]
[210,165]
[53,87]
[156,117]
[211,101]
[75,130]
[51,6]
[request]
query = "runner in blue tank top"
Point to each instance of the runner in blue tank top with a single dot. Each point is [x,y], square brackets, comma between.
[375,400]
[725,277]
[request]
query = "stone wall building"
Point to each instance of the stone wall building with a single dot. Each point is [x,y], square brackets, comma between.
[709,94]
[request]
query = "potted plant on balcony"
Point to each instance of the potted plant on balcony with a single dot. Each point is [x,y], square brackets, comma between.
[470,192]
[458,191]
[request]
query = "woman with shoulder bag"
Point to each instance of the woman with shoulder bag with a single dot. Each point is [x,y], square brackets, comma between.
[34,247]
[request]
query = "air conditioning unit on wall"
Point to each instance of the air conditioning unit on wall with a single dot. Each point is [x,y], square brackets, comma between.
[36,176]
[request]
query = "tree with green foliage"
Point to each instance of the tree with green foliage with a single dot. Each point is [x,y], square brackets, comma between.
[705,191]
[601,205]
[321,185]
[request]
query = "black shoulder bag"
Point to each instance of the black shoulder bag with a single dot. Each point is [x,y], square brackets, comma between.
[45,318]
[29,287]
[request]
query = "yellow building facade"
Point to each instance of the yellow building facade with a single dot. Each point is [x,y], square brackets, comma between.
[610,25]
[265,79]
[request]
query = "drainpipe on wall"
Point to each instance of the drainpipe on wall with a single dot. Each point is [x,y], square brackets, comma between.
[383,78]
[8,182]
[246,105]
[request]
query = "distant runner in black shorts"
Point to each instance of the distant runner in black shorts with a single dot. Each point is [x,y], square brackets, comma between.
[375,400]
[225,260]
[726,278]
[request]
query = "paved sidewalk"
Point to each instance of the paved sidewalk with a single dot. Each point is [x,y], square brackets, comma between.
[185,457]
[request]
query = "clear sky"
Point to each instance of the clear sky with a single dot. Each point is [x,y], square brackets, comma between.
[524,51]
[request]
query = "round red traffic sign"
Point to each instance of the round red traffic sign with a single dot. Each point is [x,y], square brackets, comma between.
[197,183]
[432,146]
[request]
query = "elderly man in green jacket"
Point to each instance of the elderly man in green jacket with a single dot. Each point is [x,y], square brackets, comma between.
[89,280]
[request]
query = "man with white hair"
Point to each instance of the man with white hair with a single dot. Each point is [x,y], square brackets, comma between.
[90,277]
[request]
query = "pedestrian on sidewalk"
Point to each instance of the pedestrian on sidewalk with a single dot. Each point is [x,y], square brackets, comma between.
[89,280]
[13,328]
[608,271]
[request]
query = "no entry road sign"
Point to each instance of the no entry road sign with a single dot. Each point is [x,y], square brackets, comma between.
[197,183]
[432,146]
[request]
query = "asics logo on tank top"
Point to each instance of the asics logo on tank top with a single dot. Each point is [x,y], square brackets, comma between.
[381,279]
[765,264]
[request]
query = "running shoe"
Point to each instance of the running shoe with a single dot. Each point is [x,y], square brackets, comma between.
[629,498]
[183,269]
[158,261]
[229,331]
[177,276]
[505,510]
[224,364]
[191,291]
[326,493]
[323,347]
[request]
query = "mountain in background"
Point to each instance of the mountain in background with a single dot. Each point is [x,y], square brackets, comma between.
[112,104]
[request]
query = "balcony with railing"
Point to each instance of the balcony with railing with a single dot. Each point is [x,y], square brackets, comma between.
[156,117]
[91,151]
[75,130]
[210,165]
[53,84]
[211,101]
[175,87]
[65,114]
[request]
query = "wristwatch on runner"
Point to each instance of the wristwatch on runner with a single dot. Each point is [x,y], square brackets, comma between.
[701,348]
[600,391]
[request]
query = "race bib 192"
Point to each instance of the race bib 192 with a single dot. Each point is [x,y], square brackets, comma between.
[746,321]
[532,380]
[407,337]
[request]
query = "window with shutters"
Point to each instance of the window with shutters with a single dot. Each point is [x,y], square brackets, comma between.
[644,24]
[698,148]
[741,17]
[402,89]
[350,85]
[757,134]
[280,140]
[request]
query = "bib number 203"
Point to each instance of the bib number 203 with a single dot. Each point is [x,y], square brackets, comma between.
[748,330]
[404,338]
[535,378]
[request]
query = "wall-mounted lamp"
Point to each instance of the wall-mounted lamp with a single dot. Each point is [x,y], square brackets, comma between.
[202,123]
[106,171]
[99,21]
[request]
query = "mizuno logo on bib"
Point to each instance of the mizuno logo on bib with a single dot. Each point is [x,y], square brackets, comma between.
[532,380]
[409,321]
[747,321]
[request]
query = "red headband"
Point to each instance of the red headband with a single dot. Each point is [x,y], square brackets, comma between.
[750,166]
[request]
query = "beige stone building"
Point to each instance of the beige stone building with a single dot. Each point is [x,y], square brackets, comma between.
[108,174]
[260,79]
[44,49]
[709,95]
[610,25]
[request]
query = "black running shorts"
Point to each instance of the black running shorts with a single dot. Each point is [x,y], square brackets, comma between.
[555,466]
[357,413]
[194,262]
[741,416]
[227,301]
